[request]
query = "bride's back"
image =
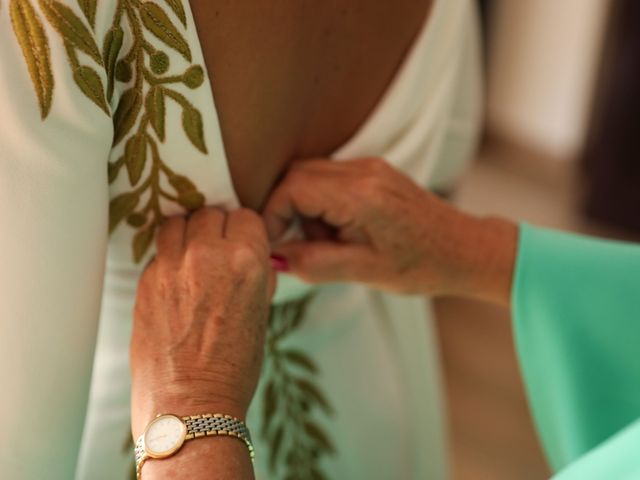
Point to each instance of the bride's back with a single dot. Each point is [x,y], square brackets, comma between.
[296,79]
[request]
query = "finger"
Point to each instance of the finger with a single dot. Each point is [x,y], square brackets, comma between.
[321,262]
[170,238]
[310,192]
[245,224]
[205,225]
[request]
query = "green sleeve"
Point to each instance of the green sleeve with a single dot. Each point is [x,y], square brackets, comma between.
[616,459]
[576,308]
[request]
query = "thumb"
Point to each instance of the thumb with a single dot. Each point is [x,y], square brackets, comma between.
[322,261]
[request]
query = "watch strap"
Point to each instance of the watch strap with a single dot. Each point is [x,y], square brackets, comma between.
[206,425]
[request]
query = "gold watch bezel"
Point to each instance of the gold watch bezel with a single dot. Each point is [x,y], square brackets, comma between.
[167,453]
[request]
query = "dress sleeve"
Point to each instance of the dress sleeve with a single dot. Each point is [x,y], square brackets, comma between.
[576,306]
[616,458]
[54,147]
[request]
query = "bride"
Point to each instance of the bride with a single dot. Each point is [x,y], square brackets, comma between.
[119,113]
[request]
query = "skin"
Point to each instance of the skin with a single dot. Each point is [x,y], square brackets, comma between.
[199,324]
[296,79]
[202,304]
[368,223]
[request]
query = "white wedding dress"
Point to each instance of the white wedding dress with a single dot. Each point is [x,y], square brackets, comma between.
[91,142]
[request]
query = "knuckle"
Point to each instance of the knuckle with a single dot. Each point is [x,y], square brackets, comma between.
[245,257]
[370,186]
[197,253]
[376,164]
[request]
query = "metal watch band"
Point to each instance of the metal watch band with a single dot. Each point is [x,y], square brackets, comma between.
[208,425]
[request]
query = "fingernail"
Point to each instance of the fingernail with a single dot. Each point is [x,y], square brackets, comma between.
[279,263]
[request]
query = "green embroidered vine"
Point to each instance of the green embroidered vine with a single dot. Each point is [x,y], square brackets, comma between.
[139,119]
[291,398]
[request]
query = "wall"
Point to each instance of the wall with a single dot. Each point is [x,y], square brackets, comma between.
[544,55]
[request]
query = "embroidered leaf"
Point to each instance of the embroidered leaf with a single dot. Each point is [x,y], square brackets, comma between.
[158,23]
[123,71]
[70,26]
[319,436]
[154,104]
[313,393]
[192,125]
[88,7]
[110,50]
[182,184]
[191,200]
[178,9]
[121,207]
[141,242]
[188,195]
[136,220]
[135,154]
[317,474]
[112,170]
[275,447]
[269,406]
[300,359]
[126,114]
[89,82]
[35,48]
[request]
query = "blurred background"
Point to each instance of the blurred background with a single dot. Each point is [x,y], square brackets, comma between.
[561,149]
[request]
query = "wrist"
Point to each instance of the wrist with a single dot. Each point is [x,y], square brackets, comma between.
[144,412]
[490,246]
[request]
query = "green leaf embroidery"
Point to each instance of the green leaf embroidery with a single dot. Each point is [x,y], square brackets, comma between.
[182,184]
[301,360]
[192,125]
[110,50]
[141,242]
[88,7]
[89,82]
[126,114]
[154,103]
[158,23]
[291,399]
[319,436]
[70,26]
[191,200]
[136,220]
[275,447]
[159,62]
[120,207]
[194,76]
[178,9]
[30,34]
[312,392]
[135,154]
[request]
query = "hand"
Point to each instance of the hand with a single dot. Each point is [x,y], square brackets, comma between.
[200,317]
[367,222]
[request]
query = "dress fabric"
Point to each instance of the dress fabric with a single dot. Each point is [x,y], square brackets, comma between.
[577,327]
[108,123]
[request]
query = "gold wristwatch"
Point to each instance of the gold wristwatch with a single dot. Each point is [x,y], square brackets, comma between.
[165,434]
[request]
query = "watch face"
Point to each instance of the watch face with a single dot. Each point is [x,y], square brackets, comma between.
[164,436]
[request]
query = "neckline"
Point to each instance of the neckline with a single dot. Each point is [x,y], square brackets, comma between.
[410,57]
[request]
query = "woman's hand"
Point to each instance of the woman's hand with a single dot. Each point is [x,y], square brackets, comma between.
[367,222]
[200,317]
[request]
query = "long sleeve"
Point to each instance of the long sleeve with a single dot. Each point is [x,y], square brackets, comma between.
[54,145]
[577,326]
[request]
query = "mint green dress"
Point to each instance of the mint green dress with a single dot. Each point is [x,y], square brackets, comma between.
[576,306]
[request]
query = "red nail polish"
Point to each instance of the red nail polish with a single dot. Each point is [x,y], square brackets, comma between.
[279,263]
